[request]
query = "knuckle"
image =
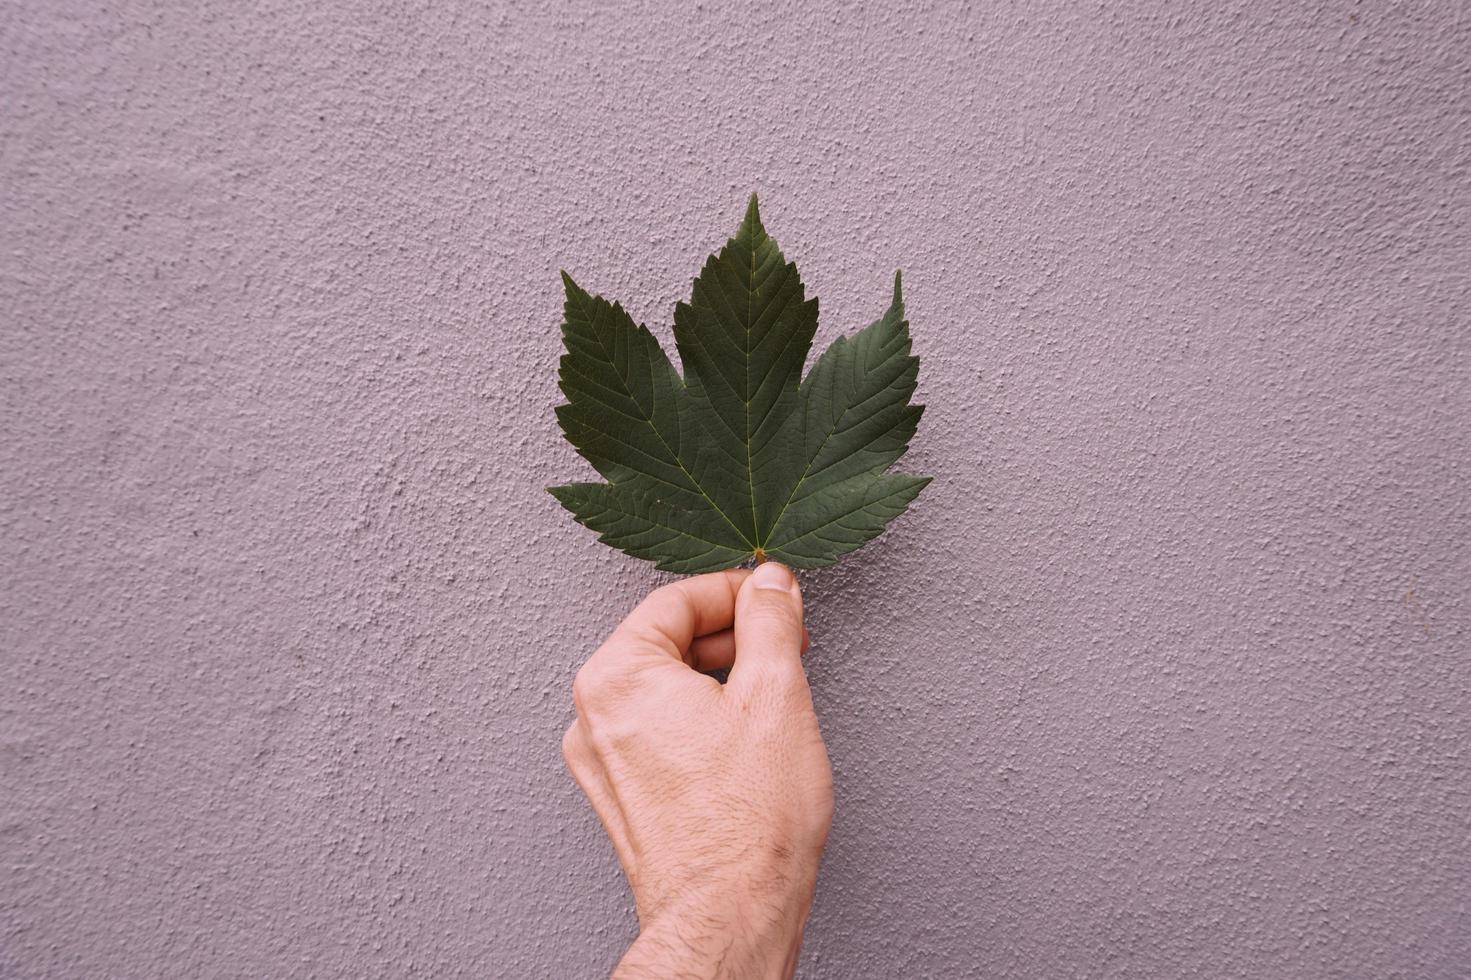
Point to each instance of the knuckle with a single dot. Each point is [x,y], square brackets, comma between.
[612,737]
[584,687]
[571,746]
[600,689]
[597,679]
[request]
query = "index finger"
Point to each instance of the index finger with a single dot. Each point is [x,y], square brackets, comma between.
[671,617]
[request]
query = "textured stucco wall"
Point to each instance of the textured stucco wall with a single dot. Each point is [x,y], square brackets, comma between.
[1167,674]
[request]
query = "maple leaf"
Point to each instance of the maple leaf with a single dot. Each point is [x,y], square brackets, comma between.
[740,457]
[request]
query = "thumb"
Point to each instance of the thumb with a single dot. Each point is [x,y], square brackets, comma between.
[768,624]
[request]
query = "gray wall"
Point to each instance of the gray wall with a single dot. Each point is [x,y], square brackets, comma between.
[1166,675]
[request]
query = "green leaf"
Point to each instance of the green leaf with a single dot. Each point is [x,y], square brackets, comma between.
[647,527]
[740,458]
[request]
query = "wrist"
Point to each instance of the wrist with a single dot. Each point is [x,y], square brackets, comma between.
[715,931]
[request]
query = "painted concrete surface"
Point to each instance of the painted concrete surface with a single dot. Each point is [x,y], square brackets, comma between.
[1166,675]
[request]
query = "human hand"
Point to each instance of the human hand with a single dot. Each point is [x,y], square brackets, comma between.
[717,798]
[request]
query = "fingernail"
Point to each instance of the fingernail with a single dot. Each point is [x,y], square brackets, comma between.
[772,575]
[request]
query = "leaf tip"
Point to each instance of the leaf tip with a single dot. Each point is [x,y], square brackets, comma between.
[751,223]
[898,286]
